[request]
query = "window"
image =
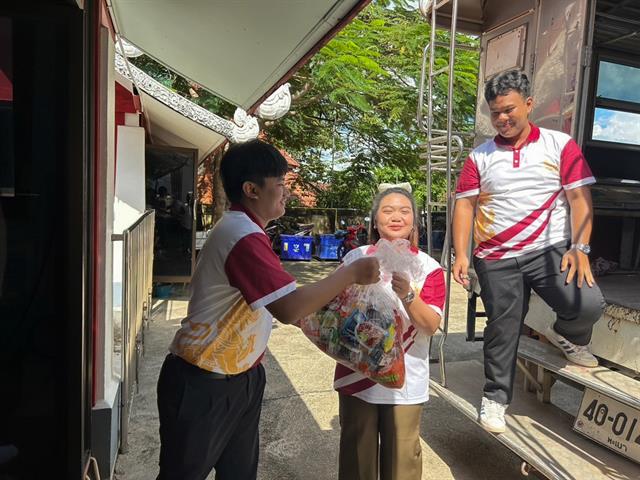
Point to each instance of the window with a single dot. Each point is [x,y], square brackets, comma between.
[616,116]
[618,82]
[615,126]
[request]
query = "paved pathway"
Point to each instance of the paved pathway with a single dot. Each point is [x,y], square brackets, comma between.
[299,425]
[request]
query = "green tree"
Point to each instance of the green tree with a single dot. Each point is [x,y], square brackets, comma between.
[184,87]
[356,101]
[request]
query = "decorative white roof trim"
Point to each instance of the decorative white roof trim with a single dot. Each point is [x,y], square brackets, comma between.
[245,127]
[276,105]
[130,51]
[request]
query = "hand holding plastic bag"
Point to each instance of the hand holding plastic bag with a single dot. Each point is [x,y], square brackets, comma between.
[398,256]
[362,327]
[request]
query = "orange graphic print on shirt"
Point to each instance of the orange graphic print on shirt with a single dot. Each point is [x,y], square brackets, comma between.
[229,348]
[484,219]
[551,166]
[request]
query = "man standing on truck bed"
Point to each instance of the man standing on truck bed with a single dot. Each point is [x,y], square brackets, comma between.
[529,190]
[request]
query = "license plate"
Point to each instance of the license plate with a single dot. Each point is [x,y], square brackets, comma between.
[610,423]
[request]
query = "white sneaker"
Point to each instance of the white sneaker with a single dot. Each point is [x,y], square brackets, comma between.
[578,354]
[492,416]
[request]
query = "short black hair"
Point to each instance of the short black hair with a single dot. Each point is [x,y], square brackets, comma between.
[251,161]
[503,83]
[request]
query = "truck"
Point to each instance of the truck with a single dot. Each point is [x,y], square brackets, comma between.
[566,421]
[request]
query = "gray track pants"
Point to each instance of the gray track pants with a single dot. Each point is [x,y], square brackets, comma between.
[505,290]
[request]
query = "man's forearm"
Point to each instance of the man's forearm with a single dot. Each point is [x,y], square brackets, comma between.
[310,298]
[581,224]
[581,214]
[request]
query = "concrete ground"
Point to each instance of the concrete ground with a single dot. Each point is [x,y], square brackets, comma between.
[299,424]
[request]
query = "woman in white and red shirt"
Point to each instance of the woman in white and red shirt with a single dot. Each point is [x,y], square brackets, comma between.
[380,426]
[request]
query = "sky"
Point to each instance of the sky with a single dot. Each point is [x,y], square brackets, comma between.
[613,126]
[617,82]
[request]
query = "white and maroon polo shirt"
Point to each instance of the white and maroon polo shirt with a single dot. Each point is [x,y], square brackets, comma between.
[227,325]
[522,205]
[415,343]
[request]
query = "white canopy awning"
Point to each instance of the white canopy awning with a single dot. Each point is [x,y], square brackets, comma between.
[238,49]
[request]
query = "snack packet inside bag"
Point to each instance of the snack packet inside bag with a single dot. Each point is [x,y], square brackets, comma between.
[362,327]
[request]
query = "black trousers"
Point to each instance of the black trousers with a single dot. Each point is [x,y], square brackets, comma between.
[505,290]
[208,422]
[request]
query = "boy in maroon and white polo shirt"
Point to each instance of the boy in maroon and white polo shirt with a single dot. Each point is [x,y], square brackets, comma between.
[211,384]
[529,191]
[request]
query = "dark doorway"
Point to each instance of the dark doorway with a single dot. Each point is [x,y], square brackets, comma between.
[170,186]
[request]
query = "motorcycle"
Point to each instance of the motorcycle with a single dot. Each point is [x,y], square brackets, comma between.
[354,237]
[273,231]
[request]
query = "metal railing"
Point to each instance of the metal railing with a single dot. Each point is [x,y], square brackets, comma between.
[443,148]
[137,274]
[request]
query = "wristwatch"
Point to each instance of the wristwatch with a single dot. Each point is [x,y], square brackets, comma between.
[582,247]
[409,298]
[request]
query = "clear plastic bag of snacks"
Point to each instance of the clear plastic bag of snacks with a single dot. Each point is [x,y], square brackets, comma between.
[362,327]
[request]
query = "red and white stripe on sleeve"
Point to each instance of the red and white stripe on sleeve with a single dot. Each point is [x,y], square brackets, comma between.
[253,268]
[469,180]
[433,290]
[574,170]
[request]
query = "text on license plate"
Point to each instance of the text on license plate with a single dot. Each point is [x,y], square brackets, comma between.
[611,423]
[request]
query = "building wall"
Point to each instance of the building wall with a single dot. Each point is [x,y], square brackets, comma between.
[105,412]
[122,176]
[129,201]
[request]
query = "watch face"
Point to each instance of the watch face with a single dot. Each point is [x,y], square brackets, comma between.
[586,249]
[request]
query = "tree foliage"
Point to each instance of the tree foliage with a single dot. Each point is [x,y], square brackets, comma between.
[184,87]
[355,106]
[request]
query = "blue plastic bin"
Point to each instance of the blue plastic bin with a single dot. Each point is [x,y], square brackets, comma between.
[328,247]
[294,247]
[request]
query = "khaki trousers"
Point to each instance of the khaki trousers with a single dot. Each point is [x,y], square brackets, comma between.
[379,440]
